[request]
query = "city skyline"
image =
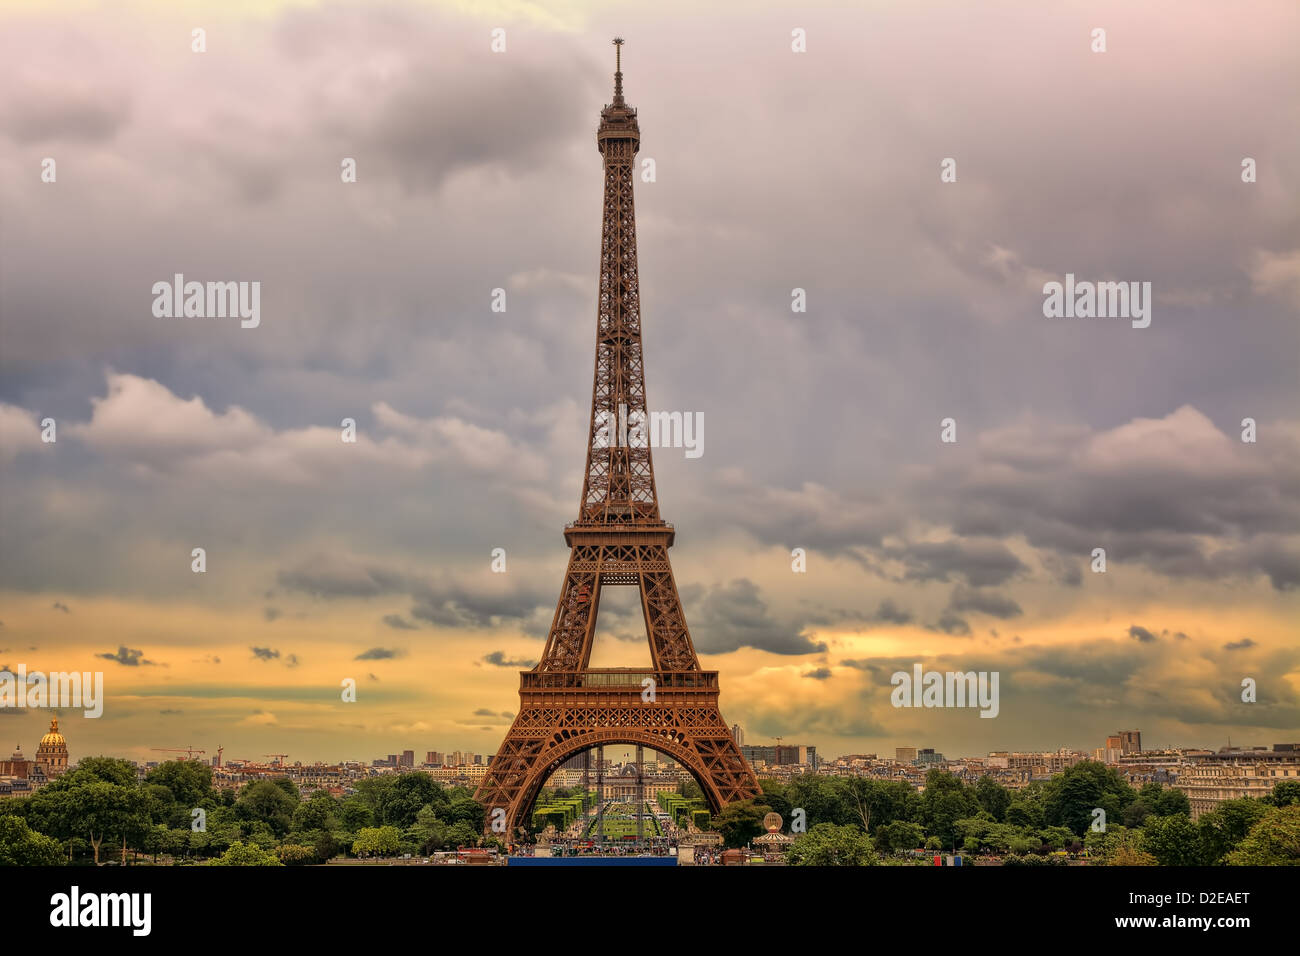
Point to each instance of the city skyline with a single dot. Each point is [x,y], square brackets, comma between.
[619,751]
[374,561]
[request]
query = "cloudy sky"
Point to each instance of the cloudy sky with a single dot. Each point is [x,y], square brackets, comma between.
[774,170]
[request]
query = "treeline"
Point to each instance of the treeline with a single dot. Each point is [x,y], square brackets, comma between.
[856,820]
[99,812]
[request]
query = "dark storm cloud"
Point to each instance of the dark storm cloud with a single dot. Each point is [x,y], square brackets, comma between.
[427,130]
[979,562]
[1240,645]
[1104,664]
[484,712]
[951,623]
[820,673]
[445,601]
[890,613]
[1066,571]
[379,654]
[1141,634]
[456,606]
[331,578]
[1101,676]
[499,659]
[734,615]
[127,656]
[399,623]
[887,612]
[264,653]
[983,602]
[811,517]
[49,112]
[1148,492]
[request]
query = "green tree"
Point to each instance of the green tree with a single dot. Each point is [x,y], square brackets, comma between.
[971,833]
[106,811]
[1224,828]
[176,842]
[993,797]
[1025,813]
[20,845]
[945,801]
[823,799]
[377,841]
[464,809]
[983,834]
[108,769]
[1165,801]
[398,804]
[242,854]
[1130,856]
[1070,797]
[97,800]
[1285,793]
[295,854]
[1103,845]
[1056,838]
[774,796]
[188,781]
[1021,842]
[289,787]
[462,834]
[355,813]
[324,844]
[739,822]
[1172,840]
[318,813]
[872,803]
[1155,799]
[827,844]
[899,835]
[428,832]
[1273,841]
[265,802]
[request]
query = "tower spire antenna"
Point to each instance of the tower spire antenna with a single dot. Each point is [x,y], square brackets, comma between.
[618,71]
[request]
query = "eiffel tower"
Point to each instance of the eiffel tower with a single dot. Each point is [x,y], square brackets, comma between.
[566,707]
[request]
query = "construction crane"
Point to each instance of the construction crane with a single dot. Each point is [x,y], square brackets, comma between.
[188,751]
[279,761]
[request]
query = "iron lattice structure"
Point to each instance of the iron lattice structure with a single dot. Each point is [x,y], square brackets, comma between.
[566,707]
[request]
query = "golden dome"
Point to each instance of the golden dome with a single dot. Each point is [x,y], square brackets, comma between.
[54,740]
